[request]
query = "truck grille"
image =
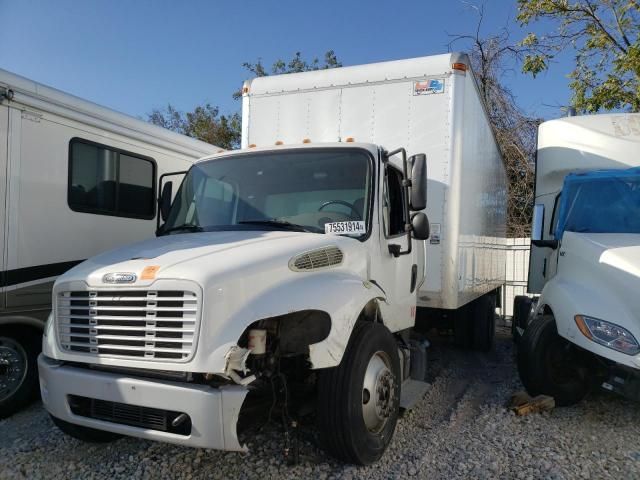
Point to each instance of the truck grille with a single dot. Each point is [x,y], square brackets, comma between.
[149,325]
[132,415]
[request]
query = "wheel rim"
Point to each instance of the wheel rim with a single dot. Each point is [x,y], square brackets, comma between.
[13,367]
[378,392]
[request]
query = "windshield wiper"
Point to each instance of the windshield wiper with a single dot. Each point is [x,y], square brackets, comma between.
[190,227]
[274,222]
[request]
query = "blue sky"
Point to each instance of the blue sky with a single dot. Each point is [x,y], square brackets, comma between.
[135,55]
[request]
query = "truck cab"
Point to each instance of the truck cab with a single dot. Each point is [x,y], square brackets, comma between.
[584,328]
[286,273]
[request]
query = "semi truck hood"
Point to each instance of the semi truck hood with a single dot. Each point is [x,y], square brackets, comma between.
[618,252]
[608,265]
[201,256]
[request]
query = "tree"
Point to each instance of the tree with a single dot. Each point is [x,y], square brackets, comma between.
[204,123]
[605,35]
[492,59]
[296,65]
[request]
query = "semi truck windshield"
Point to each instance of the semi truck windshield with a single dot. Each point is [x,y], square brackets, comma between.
[600,204]
[297,190]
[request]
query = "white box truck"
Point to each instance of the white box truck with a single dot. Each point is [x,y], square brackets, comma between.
[583,329]
[75,179]
[291,269]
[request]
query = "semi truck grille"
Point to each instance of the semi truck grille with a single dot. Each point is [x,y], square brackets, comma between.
[131,415]
[149,325]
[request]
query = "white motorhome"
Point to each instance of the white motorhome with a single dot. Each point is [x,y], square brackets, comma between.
[75,179]
[583,329]
[292,268]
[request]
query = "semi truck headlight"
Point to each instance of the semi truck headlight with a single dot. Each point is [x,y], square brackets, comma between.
[608,334]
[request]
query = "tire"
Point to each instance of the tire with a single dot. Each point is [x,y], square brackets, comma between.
[85,434]
[19,349]
[550,365]
[521,309]
[484,322]
[351,429]
[463,326]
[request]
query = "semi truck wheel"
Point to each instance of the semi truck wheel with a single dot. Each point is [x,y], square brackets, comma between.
[85,434]
[19,349]
[521,309]
[549,364]
[484,322]
[358,401]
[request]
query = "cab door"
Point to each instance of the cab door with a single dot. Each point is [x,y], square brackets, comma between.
[401,274]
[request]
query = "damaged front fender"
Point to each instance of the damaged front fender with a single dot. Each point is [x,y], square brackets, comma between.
[342,296]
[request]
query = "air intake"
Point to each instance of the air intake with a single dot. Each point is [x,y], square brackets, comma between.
[316,259]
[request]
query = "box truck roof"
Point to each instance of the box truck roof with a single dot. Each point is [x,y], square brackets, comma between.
[434,65]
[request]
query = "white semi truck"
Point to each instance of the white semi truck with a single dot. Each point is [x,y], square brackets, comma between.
[290,271]
[583,329]
[76,179]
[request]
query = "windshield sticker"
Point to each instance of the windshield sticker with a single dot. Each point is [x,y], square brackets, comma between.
[429,87]
[345,228]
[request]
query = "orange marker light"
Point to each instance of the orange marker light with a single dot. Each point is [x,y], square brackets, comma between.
[349,139]
[306,140]
[245,89]
[279,142]
[461,67]
[149,273]
[253,145]
[582,327]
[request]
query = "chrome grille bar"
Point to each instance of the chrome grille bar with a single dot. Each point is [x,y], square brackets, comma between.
[154,325]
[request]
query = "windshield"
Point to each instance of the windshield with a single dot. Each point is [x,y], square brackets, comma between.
[300,189]
[606,204]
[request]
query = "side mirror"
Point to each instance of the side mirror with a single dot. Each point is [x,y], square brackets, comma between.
[537,224]
[165,200]
[420,226]
[418,193]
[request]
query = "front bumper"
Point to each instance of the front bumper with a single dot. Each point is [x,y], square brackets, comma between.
[213,411]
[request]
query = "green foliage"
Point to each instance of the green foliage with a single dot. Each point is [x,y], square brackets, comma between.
[204,123]
[605,36]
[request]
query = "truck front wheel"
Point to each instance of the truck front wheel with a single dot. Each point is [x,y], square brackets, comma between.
[19,348]
[358,400]
[551,365]
[85,434]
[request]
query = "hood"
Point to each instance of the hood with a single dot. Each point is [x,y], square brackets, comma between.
[608,263]
[197,256]
[620,251]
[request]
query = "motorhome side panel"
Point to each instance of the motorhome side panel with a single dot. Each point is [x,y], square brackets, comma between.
[45,234]
[476,204]
[4,151]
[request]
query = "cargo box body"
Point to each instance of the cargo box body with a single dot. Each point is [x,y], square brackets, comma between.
[426,106]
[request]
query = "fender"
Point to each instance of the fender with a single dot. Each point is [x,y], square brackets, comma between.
[23,320]
[341,295]
[567,299]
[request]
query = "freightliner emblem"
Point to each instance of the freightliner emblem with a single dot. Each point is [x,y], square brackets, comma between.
[119,278]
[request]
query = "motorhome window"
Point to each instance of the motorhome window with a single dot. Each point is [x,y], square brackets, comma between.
[393,203]
[305,188]
[108,181]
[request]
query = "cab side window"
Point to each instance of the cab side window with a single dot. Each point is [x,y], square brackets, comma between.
[394,213]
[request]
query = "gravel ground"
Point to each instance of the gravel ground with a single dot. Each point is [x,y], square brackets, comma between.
[461,429]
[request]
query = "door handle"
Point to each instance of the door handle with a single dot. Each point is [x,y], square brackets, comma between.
[414,277]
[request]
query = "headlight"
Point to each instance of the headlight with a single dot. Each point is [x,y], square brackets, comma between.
[608,334]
